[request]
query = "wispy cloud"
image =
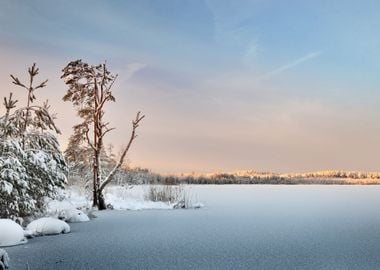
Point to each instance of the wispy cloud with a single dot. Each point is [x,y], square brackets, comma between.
[251,53]
[133,68]
[291,65]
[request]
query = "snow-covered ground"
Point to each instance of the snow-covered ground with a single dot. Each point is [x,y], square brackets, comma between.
[132,198]
[119,197]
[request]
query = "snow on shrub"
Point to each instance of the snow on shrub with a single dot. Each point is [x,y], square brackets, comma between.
[65,210]
[177,196]
[11,233]
[47,226]
[73,215]
[26,176]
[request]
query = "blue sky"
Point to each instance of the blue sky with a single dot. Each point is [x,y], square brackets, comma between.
[226,85]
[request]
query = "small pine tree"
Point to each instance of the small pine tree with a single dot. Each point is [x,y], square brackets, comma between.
[31,163]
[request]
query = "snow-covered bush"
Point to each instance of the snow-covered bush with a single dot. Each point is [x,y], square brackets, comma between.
[11,233]
[68,206]
[65,210]
[165,193]
[15,189]
[27,175]
[46,165]
[176,195]
[73,215]
[47,226]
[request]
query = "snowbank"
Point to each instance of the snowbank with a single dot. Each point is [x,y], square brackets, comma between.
[73,215]
[47,226]
[125,203]
[4,259]
[119,197]
[133,198]
[65,210]
[11,233]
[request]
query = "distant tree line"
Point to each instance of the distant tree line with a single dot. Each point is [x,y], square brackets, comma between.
[139,175]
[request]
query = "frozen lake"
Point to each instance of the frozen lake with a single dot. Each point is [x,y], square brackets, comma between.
[241,227]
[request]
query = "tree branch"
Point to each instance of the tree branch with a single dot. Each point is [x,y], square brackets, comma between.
[41,85]
[16,81]
[105,132]
[111,84]
[88,139]
[135,125]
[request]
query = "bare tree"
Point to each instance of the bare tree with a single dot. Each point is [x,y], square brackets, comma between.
[89,90]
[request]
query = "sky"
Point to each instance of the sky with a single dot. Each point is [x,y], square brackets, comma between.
[282,86]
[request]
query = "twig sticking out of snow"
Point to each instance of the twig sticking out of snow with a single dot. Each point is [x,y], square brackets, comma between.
[4,259]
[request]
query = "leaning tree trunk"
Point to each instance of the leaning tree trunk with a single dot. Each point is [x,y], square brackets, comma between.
[135,124]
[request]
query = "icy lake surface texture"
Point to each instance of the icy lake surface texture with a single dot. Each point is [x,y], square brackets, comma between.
[240,227]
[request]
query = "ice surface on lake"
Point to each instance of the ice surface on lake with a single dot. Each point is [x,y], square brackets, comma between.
[240,227]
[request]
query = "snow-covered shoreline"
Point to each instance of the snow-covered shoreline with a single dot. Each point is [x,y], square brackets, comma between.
[117,197]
